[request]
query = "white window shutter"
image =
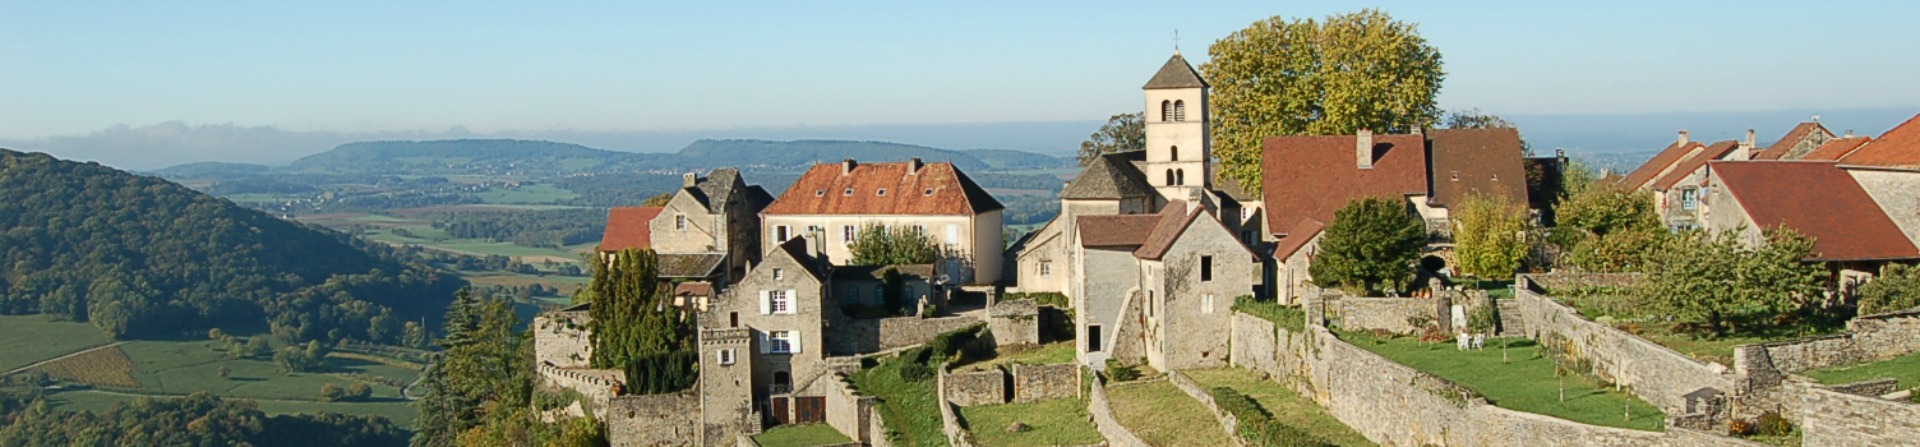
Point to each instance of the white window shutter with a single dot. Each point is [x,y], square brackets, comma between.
[761,337]
[766,303]
[795,341]
[793,301]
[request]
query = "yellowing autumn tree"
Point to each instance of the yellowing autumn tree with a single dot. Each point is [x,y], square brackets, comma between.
[1490,234]
[1281,76]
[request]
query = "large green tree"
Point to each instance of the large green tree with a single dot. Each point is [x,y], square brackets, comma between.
[1492,236]
[1125,132]
[483,361]
[1897,288]
[1281,76]
[1606,228]
[897,245]
[636,326]
[1714,283]
[1369,247]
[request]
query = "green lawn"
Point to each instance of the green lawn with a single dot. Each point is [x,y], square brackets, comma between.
[1286,406]
[1904,368]
[1523,380]
[1047,354]
[1049,422]
[1164,416]
[911,408]
[25,339]
[806,435]
[400,412]
[1621,313]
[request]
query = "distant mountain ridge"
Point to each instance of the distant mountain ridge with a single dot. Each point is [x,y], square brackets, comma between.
[528,156]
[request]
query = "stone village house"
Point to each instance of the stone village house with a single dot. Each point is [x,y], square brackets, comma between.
[1851,234]
[704,237]
[831,202]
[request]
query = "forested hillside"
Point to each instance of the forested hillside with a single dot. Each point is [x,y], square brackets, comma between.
[138,256]
[444,156]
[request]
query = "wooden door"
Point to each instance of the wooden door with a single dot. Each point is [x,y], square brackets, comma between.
[809,410]
[778,411]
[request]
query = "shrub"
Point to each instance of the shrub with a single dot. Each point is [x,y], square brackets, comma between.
[1287,317]
[225,372]
[915,372]
[360,391]
[1257,427]
[1121,373]
[1772,424]
[1485,319]
[332,393]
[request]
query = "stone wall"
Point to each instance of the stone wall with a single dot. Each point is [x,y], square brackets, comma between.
[1105,421]
[1041,382]
[1193,389]
[1015,322]
[1869,388]
[1867,339]
[654,420]
[1661,376]
[1887,335]
[1561,282]
[1390,314]
[1829,417]
[847,410]
[967,389]
[950,424]
[562,338]
[596,384]
[874,335]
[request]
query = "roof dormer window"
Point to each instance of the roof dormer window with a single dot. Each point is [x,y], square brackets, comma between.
[929,191]
[819,193]
[849,192]
[882,192]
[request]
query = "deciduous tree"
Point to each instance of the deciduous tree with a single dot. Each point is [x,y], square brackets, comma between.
[898,245]
[1491,235]
[1897,288]
[1280,76]
[1716,282]
[1369,247]
[1125,132]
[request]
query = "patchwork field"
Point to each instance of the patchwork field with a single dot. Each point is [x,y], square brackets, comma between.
[25,339]
[1048,422]
[1286,406]
[1164,416]
[1520,379]
[104,366]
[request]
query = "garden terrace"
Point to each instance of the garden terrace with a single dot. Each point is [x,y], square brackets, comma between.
[1048,422]
[805,435]
[1286,407]
[1047,354]
[1513,373]
[1904,369]
[1164,416]
[908,402]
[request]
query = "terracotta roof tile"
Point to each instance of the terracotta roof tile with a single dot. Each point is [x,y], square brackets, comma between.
[1837,148]
[1659,163]
[1174,219]
[937,189]
[1694,162]
[1819,200]
[1120,230]
[628,228]
[1785,143]
[693,288]
[1898,148]
[1297,237]
[1466,161]
[1314,176]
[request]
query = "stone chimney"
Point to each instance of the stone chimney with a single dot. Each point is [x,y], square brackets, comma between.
[846,166]
[1363,149]
[1745,150]
[1849,134]
[913,166]
[1683,139]
[687,180]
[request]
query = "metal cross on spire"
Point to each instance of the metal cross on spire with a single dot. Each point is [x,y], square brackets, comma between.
[1176,41]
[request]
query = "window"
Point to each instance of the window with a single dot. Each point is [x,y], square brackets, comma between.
[1149,303]
[1169,176]
[853,294]
[846,233]
[726,356]
[819,193]
[782,232]
[782,342]
[1174,153]
[1179,110]
[1206,303]
[1179,176]
[1046,268]
[882,192]
[680,222]
[953,233]
[849,192]
[929,191]
[879,293]
[733,319]
[1093,338]
[1166,110]
[1689,199]
[779,274]
[1206,268]
[779,302]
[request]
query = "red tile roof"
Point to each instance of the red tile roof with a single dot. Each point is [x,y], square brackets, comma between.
[937,188]
[1780,147]
[1836,149]
[1819,200]
[1898,148]
[1467,161]
[1693,163]
[627,228]
[1174,219]
[1653,167]
[1297,237]
[1120,230]
[1314,176]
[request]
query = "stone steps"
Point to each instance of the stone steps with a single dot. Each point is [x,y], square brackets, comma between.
[1510,321]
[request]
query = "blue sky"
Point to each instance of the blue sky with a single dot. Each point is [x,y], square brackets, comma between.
[76,67]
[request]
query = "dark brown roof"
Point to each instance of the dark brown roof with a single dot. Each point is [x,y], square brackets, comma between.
[716,190]
[693,288]
[1819,200]
[1173,222]
[1176,73]
[1314,176]
[937,188]
[1837,148]
[1122,230]
[701,265]
[628,228]
[1898,148]
[1487,161]
[796,248]
[1297,236]
[1693,163]
[1659,163]
[1785,143]
[1110,176]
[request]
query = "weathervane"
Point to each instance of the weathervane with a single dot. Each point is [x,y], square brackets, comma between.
[1176,41]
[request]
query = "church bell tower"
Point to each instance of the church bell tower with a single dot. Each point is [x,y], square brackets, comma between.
[1178,147]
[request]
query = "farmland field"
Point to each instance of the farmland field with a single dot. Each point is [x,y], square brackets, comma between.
[106,366]
[25,339]
[400,411]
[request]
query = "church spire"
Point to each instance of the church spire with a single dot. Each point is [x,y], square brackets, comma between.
[1175,74]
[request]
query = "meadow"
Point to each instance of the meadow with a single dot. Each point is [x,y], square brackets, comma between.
[25,339]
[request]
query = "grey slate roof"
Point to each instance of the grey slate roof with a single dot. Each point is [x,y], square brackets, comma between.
[1175,74]
[1111,176]
[717,188]
[704,265]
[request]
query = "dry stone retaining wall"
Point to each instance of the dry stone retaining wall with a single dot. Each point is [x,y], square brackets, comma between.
[967,389]
[1390,314]
[1228,421]
[1015,322]
[950,424]
[1868,338]
[561,338]
[1105,421]
[1041,382]
[1829,417]
[654,420]
[873,335]
[1657,374]
[848,411]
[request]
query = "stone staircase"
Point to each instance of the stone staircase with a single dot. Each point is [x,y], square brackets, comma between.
[1511,323]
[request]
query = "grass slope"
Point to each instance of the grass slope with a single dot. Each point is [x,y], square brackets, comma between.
[1164,416]
[1524,381]
[807,435]
[1286,406]
[1049,422]
[1047,354]
[911,408]
[1904,368]
[25,339]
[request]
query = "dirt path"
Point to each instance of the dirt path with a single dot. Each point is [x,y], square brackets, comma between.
[56,359]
